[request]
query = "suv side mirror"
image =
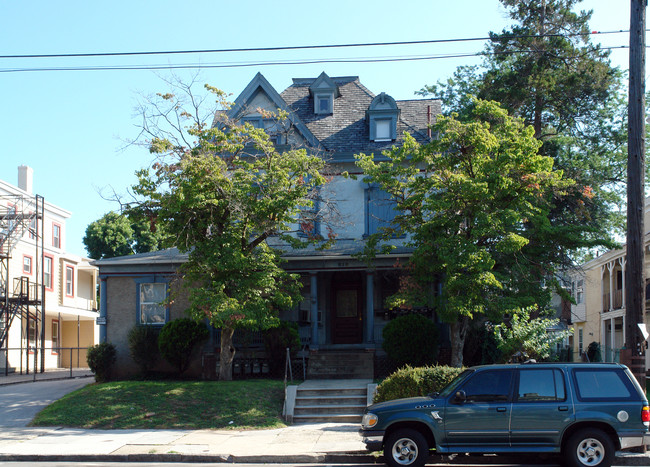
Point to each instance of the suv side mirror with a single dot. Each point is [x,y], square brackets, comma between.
[460,397]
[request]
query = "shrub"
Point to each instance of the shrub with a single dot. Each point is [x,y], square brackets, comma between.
[178,339]
[101,358]
[480,346]
[413,382]
[411,340]
[593,352]
[143,344]
[277,340]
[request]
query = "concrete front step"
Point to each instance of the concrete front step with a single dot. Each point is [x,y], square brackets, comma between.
[328,409]
[341,401]
[331,418]
[302,401]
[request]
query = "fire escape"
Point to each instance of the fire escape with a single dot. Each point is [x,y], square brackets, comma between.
[21,298]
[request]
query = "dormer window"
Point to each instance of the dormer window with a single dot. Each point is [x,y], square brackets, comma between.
[323,104]
[324,90]
[382,118]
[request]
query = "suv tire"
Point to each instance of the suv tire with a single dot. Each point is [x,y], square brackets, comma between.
[589,448]
[406,447]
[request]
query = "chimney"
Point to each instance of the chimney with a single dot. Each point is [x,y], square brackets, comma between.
[25,178]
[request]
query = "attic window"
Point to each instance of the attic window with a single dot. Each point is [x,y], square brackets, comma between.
[323,104]
[382,130]
[324,90]
[382,118]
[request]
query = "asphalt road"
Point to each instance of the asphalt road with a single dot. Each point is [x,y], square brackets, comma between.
[19,403]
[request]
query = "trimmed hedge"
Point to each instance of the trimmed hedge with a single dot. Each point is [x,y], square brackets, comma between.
[413,382]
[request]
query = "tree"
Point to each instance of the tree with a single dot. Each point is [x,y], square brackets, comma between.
[546,70]
[223,191]
[117,235]
[465,200]
[527,337]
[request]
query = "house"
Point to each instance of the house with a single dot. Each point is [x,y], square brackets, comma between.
[48,304]
[344,299]
[598,290]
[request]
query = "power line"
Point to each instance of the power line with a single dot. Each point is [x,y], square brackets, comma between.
[268,63]
[297,47]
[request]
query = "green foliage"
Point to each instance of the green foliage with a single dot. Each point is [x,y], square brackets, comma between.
[143,345]
[566,88]
[178,339]
[222,210]
[480,346]
[276,342]
[118,235]
[101,358]
[466,199]
[413,382]
[525,337]
[109,236]
[593,352]
[411,340]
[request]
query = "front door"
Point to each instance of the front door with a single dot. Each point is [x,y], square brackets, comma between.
[346,313]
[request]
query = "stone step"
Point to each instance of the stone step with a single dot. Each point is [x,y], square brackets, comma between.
[329,410]
[332,392]
[302,401]
[337,418]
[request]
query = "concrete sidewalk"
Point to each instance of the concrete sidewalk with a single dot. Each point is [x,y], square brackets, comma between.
[327,442]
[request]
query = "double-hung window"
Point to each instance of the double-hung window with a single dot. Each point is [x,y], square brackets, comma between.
[151,306]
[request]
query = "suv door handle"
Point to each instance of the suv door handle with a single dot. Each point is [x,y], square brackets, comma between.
[563,408]
[501,409]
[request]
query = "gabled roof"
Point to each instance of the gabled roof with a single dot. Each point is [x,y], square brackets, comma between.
[260,84]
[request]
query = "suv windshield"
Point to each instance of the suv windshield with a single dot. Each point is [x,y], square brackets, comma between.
[454,383]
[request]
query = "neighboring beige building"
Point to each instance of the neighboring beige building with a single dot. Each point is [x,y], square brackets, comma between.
[48,298]
[598,314]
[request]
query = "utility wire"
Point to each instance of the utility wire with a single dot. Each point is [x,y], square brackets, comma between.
[300,47]
[269,63]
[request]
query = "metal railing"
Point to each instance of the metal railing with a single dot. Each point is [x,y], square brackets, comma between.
[27,360]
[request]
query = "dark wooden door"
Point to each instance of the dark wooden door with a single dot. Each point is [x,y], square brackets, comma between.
[347,326]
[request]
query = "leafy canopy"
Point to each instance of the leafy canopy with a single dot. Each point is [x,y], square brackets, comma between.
[465,200]
[223,191]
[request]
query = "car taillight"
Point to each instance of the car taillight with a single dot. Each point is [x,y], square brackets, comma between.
[645,414]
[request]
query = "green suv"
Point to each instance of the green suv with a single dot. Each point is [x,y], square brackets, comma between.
[585,411]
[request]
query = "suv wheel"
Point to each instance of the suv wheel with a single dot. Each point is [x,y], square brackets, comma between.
[589,448]
[406,448]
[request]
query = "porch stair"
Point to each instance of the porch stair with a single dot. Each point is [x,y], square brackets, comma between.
[327,364]
[331,401]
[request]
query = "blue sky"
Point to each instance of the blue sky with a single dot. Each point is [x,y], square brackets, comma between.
[69,126]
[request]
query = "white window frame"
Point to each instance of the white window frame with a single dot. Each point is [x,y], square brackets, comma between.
[150,301]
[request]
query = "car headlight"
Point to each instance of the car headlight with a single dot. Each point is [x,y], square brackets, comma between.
[369,420]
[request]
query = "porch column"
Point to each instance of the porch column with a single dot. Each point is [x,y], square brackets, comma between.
[610,266]
[370,308]
[612,336]
[623,260]
[103,305]
[314,310]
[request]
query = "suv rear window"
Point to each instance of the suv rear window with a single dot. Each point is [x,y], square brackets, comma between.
[605,384]
[541,385]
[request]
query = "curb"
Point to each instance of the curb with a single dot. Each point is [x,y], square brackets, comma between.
[622,459]
[197,459]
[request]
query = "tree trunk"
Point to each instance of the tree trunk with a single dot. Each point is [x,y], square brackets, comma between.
[458,333]
[227,354]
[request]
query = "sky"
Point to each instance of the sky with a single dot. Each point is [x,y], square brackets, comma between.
[70,126]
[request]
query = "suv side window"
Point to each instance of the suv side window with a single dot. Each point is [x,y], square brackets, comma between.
[537,385]
[602,384]
[488,386]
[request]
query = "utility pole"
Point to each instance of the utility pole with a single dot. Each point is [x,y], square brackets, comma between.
[635,277]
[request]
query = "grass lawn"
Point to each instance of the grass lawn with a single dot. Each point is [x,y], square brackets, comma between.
[252,404]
